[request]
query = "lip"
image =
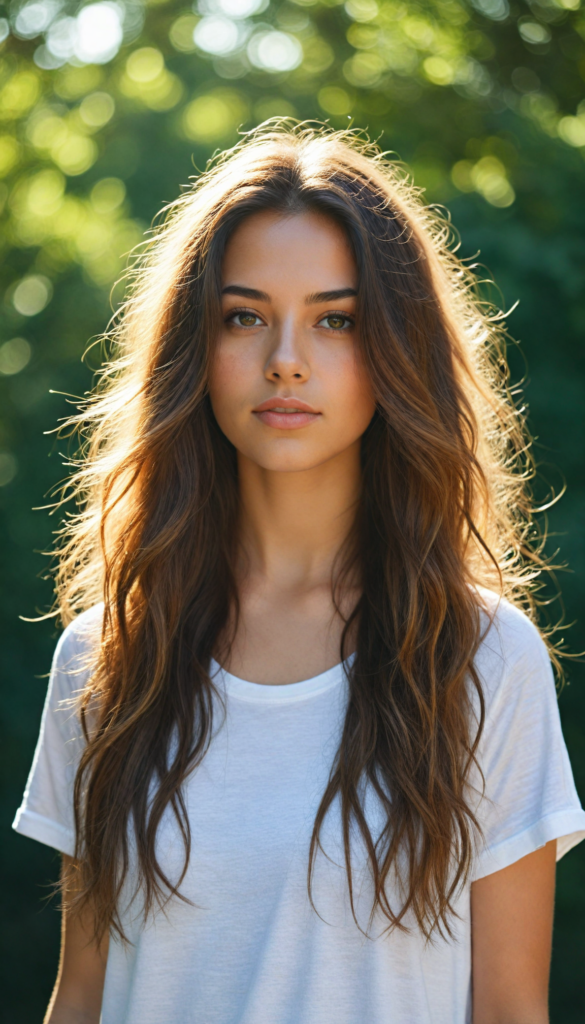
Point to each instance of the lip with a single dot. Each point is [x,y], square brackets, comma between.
[303,415]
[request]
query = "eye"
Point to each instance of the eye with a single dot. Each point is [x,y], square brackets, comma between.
[336,322]
[244,318]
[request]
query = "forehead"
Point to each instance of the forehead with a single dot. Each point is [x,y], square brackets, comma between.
[305,247]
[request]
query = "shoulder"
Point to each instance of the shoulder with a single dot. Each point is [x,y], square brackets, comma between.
[84,630]
[506,630]
[75,650]
[512,654]
[522,776]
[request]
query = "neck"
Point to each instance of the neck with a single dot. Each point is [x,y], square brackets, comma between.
[293,524]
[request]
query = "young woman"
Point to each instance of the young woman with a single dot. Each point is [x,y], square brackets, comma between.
[301,749]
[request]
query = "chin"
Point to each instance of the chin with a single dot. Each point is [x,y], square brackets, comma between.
[289,465]
[291,461]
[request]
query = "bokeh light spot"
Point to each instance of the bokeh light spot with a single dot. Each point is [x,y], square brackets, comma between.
[273,106]
[32,294]
[45,192]
[364,69]
[207,118]
[216,35]
[438,71]
[334,100]
[461,176]
[75,154]
[97,109]
[107,195]
[214,116]
[9,153]
[45,130]
[34,18]
[572,131]
[496,10]
[181,33]
[72,82]
[362,10]
[19,94]
[241,8]
[99,32]
[317,56]
[8,468]
[145,65]
[533,32]
[61,38]
[14,356]
[275,51]
[489,179]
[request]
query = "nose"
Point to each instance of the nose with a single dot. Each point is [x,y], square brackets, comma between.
[287,360]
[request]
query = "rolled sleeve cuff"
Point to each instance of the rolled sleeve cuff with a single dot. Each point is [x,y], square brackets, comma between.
[51,833]
[567,827]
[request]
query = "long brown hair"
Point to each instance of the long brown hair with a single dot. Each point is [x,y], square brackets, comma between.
[443,511]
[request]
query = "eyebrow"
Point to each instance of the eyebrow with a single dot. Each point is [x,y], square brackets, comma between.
[332,296]
[313,299]
[246,293]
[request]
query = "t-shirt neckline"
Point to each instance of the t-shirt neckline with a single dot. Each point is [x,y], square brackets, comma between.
[266,693]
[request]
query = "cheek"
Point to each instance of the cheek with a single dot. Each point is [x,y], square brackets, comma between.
[227,381]
[351,392]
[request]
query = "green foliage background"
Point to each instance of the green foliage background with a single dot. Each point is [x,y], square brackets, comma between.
[484,103]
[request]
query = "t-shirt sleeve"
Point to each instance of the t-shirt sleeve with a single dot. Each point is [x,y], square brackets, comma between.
[530,796]
[46,812]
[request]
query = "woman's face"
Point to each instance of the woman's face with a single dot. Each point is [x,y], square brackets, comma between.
[286,384]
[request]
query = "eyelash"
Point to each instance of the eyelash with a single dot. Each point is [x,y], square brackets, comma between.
[350,322]
[239,312]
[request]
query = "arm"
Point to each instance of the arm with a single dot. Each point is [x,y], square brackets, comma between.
[77,997]
[511,929]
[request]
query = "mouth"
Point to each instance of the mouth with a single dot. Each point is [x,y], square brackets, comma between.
[286,413]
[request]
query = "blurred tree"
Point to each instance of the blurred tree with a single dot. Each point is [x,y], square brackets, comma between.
[107,108]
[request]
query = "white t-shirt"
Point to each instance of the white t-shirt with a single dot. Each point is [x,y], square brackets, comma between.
[250,949]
